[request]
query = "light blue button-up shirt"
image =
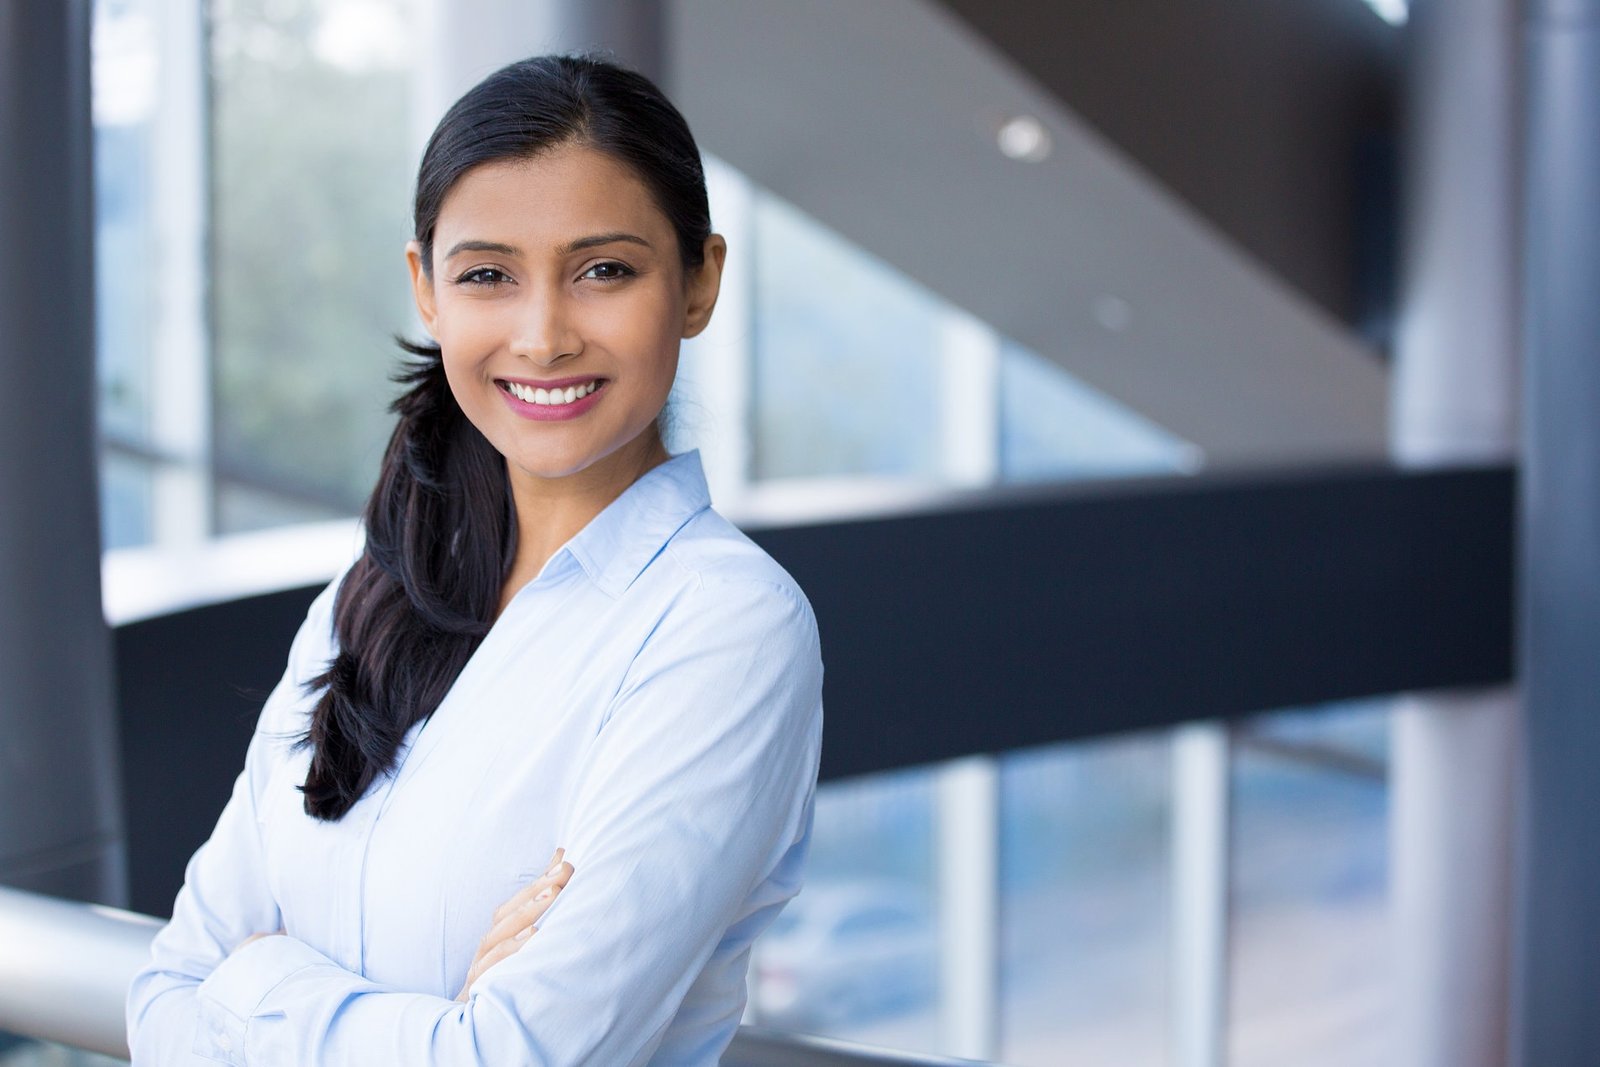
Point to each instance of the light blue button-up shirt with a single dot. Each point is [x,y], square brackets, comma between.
[651,702]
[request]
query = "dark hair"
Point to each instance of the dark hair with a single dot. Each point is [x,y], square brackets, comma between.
[440,528]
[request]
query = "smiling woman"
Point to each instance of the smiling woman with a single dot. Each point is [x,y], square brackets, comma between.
[556,692]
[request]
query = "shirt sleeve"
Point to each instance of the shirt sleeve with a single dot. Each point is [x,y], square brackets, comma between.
[225,896]
[697,785]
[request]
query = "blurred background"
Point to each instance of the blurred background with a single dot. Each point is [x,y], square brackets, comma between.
[1213,328]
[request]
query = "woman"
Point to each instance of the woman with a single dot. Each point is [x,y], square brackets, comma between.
[550,642]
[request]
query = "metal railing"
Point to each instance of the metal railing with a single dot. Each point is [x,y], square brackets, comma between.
[65,969]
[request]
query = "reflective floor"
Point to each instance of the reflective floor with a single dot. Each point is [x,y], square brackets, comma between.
[15,1053]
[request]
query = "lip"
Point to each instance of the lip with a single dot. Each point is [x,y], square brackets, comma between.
[552,412]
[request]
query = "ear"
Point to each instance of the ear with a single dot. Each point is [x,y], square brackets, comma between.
[703,284]
[422,288]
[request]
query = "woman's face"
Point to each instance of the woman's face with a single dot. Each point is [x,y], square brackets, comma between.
[558,298]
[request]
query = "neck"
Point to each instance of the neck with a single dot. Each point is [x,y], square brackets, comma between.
[550,511]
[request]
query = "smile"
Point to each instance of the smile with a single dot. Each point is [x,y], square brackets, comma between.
[556,402]
[550,397]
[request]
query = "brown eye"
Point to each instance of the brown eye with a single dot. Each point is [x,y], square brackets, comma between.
[486,276]
[608,271]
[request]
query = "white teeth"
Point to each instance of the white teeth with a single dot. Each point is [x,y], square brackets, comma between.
[551,397]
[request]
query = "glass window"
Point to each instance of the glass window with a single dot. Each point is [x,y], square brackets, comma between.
[126,500]
[1084,884]
[1052,426]
[855,955]
[311,185]
[126,61]
[846,357]
[1310,798]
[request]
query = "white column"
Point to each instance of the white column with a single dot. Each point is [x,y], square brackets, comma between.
[713,394]
[180,350]
[969,907]
[1200,865]
[968,812]
[1455,401]
[969,395]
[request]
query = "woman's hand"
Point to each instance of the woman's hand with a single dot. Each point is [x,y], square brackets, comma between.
[513,921]
[254,937]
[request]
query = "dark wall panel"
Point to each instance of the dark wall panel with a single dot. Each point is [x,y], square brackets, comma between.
[190,687]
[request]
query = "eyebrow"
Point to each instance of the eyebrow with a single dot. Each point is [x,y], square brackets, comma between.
[481,246]
[602,239]
[578,245]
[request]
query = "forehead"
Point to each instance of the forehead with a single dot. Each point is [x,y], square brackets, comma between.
[547,200]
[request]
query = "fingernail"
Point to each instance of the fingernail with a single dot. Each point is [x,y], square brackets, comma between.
[545,894]
[525,933]
[554,867]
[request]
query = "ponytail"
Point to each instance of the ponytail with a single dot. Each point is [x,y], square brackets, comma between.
[412,610]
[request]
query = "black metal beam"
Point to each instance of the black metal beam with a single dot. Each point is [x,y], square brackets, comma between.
[1044,617]
[1020,618]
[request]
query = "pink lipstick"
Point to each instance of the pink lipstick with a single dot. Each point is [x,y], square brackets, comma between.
[553,400]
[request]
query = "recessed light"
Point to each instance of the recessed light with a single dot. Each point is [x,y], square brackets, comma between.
[1113,313]
[1024,137]
[1394,12]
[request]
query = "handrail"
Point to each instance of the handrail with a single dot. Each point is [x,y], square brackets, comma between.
[754,1046]
[65,969]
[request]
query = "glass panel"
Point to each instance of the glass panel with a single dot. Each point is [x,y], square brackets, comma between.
[1084,902]
[312,173]
[241,508]
[847,357]
[1054,427]
[855,955]
[124,70]
[1310,888]
[125,500]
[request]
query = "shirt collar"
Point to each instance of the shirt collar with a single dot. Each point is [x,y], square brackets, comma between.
[617,544]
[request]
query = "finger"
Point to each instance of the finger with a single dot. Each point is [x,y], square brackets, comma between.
[499,952]
[532,899]
[539,898]
[557,875]
[520,897]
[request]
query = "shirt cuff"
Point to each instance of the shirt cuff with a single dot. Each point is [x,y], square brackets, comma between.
[231,993]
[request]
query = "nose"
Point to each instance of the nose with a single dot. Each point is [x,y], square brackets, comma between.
[545,332]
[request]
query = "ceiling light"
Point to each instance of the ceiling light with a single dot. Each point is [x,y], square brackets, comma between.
[1024,138]
[1393,12]
[1113,313]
